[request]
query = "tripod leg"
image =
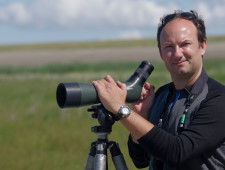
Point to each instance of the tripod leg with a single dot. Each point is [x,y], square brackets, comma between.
[101,156]
[91,157]
[117,156]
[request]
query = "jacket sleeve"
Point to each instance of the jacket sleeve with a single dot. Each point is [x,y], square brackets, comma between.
[138,155]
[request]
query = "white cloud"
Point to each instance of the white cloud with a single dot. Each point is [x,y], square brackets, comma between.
[212,13]
[80,14]
[124,19]
[204,11]
[15,12]
[219,11]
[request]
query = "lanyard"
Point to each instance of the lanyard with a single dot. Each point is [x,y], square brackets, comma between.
[190,99]
[188,103]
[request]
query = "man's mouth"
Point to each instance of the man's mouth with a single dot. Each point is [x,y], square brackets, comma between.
[179,62]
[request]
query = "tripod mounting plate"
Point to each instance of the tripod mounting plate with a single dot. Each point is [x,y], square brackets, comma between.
[101,129]
[105,118]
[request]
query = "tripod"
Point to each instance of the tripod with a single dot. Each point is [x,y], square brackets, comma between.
[97,158]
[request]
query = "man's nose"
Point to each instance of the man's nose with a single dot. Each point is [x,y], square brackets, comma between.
[178,52]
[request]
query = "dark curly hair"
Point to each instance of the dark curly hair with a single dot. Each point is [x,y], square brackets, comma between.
[191,16]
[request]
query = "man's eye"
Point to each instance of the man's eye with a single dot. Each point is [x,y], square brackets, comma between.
[185,44]
[169,46]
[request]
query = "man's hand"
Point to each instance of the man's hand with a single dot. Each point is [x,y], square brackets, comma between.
[112,94]
[143,105]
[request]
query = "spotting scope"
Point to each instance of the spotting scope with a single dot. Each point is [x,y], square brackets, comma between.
[79,94]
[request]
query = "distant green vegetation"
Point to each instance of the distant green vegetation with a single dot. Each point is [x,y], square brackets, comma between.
[216,38]
[80,45]
[36,134]
[110,67]
[72,67]
[95,44]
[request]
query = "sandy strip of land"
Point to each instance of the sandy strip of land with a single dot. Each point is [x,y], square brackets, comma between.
[43,57]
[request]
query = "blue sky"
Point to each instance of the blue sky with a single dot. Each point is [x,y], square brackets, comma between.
[43,21]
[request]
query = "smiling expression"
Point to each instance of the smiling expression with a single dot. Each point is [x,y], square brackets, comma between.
[180,49]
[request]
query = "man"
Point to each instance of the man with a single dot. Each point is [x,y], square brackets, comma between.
[184,128]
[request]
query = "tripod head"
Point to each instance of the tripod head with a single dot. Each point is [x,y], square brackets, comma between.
[105,118]
[97,158]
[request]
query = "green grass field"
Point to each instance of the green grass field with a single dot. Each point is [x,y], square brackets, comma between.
[37,135]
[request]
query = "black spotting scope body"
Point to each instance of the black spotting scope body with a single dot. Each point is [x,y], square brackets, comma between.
[78,94]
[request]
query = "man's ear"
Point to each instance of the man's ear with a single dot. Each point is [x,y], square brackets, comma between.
[203,46]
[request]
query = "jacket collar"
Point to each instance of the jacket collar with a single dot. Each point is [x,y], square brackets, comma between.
[197,87]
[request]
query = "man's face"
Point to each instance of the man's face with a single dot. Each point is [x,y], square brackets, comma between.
[180,49]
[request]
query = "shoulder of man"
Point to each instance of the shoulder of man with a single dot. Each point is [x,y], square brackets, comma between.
[166,87]
[214,100]
[215,87]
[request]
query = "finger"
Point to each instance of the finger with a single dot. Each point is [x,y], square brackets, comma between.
[147,86]
[152,90]
[96,84]
[99,83]
[143,94]
[153,87]
[145,89]
[109,78]
[148,90]
[122,86]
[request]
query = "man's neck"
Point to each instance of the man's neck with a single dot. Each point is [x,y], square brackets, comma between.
[183,81]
